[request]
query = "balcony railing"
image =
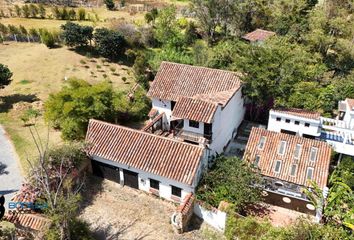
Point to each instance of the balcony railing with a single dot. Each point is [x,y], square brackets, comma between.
[192,136]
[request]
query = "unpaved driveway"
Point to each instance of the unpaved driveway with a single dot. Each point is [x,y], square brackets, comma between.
[133,214]
[10,173]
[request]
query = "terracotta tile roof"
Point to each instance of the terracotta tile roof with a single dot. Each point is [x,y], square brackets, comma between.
[269,155]
[350,103]
[153,112]
[152,122]
[194,109]
[258,35]
[32,221]
[175,80]
[299,113]
[150,153]
[188,203]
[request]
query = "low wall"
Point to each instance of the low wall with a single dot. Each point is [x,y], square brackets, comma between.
[214,217]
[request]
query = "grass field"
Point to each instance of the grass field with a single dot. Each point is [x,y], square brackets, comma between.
[39,71]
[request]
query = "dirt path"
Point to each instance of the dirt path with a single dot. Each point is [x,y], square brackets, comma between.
[131,214]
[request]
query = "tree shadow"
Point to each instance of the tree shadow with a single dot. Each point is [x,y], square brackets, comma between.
[259,210]
[93,186]
[7,102]
[3,169]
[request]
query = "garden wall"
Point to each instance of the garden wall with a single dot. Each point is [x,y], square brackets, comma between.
[213,217]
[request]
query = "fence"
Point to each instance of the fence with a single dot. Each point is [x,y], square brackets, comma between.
[214,217]
[20,38]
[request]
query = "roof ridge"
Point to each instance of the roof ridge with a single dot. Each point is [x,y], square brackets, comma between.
[194,66]
[142,132]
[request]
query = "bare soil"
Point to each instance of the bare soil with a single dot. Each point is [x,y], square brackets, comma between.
[126,213]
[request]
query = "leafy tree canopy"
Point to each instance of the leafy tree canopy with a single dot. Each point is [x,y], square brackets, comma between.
[109,43]
[231,180]
[76,35]
[5,75]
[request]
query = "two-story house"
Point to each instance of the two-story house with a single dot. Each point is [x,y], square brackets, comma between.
[200,105]
[195,112]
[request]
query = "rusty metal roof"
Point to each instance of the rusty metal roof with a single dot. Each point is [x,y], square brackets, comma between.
[299,113]
[269,155]
[174,80]
[150,153]
[194,109]
[258,35]
[35,222]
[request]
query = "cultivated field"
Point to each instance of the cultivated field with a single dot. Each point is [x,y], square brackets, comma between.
[39,71]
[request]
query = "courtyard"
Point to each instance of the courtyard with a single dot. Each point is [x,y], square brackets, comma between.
[120,212]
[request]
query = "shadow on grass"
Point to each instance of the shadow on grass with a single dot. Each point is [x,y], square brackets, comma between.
[7,102]
[91,52]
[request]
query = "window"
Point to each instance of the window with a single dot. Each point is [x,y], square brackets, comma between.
[176,191]
[278,119]
[256,161]
[293,170]
[193,124]
[154,184]
[297,123]
[309,173]
[287,120]
[282,146]
[307,125]
[313,154]
[277,166]
[261,143]
[173,103]
[297,153]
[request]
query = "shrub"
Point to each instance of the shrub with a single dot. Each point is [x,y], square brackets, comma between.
[113,69]
[109,43]
[47,38]
[5,75]
[109,4]
[75,35]
[81,14]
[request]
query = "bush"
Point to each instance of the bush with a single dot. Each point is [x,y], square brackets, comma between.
[47,38]
[109,43]
[75,35]
[109,4]
[5,75]
[231,180]
[81,14]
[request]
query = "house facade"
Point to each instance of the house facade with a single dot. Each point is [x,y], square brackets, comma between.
[338,132]
[162,166]
[289,164]
[201,105]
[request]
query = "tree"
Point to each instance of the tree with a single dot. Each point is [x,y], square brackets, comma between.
[56,12]
[26,11]
[109,4]
[48,38]
[231,180]
[72,107]
[33,9]
[18,11]
[5,76]
[56,174]
[75,35]
[81,14]
[109,43]
[72,14]
[42,11]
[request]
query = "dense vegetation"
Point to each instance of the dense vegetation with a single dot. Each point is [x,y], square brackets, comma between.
[230,180]
[71,108]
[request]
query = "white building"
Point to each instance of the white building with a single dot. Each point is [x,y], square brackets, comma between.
[162,166]
[195,113]
[339,132]
[200,105]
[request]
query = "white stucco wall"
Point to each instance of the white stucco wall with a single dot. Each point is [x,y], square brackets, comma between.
[273,125]
[216,219]
[163,106]
[226,121]
[165,183]
[349,117]
[199,130]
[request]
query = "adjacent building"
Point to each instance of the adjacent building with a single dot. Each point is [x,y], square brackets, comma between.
[338,132]
[258,36]
[288,164]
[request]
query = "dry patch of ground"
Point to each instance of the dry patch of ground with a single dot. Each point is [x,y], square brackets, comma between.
[132,214]
[39,71]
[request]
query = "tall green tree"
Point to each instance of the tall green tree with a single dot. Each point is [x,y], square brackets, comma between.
[231,180]
[75,35]
[109,43]
[5,75]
